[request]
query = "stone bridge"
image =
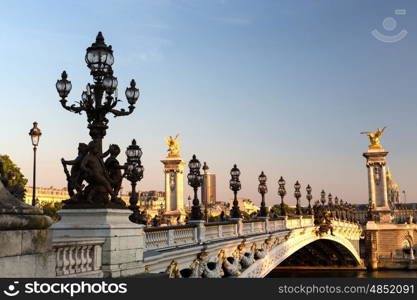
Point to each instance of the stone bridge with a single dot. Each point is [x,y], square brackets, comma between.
[104,243]
[249,248]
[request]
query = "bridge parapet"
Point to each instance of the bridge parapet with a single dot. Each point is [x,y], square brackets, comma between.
[174,236]
[170,236]
[78,257]
[263,245]
[221,230]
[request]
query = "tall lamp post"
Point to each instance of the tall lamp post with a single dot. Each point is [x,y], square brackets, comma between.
[194,180]
[330,205]
[297,195]
[262,189]
[134,173]
[336,207]
[323,198]
[235,186]
[309,197]
[35,134]
[282,192]
[98,100]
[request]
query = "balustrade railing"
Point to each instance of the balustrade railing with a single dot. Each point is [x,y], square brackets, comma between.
[220,230]
[229,230]
[170,236]
[276,225]
[77,256]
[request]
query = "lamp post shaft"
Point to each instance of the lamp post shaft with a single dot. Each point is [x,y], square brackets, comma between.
[34,177]
[133,197]
[263,212]
[298,207]
[283,212]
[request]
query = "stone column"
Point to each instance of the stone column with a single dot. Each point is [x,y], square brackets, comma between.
[174,188]
[377,182]
[124,241]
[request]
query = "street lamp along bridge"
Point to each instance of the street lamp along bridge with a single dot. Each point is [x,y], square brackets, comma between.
[99,99]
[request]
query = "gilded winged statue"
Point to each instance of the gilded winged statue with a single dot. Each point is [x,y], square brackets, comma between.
[174,146]
[374,138]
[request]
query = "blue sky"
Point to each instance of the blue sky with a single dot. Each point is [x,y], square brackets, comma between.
[279,86]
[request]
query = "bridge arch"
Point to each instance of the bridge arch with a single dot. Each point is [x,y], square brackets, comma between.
[286,249]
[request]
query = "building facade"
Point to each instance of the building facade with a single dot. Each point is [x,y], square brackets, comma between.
[50,194]
[208,188]
[152,200]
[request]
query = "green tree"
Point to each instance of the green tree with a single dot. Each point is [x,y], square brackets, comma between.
[245,215]
[50,208]
[276,209]
[14,178]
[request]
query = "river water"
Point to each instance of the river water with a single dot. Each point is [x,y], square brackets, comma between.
[277,273]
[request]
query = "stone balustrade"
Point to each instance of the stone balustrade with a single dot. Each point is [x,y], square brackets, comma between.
[173,236]
[170,236]
[294,222]
[220,230]
[78,257]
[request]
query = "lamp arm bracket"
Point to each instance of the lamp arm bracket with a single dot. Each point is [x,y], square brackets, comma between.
[122,112]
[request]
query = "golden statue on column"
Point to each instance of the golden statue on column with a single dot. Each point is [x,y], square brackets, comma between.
[374,138]
[174,146]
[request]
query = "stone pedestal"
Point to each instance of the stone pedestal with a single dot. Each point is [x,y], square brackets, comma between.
[384,245]
[122,253]
[25,241]
[174,189]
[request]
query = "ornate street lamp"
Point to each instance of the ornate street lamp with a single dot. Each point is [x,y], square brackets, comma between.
[35,134]
[99,59]
[297,195]
[323,198]
[262,189]
[134,173]
[336,207]
[194,180]
[282,192]
[309,196]
[235,186]
[350,212]
[99,99]
[342,209]
[330,204]
[330,199]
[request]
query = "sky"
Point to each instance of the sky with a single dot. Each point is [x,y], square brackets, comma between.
[281,86]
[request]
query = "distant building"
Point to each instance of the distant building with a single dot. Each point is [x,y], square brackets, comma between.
[43,194]
[52,194]
[208,188]
[152,200]
[401,213]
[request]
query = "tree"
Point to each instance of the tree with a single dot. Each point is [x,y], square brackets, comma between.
[276,210]
[245,215]
[51,208]
[15,181]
